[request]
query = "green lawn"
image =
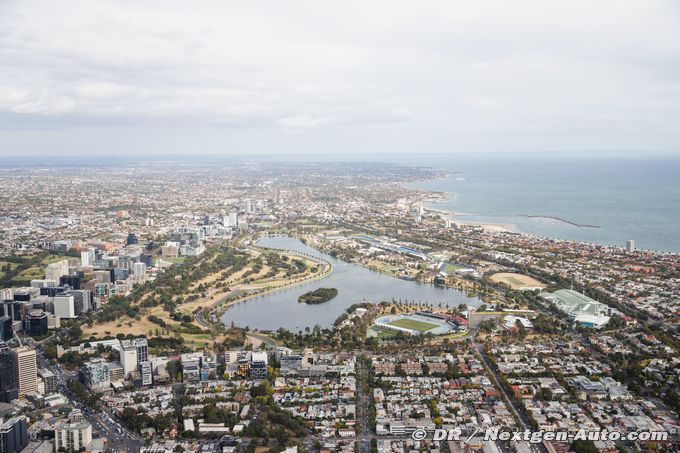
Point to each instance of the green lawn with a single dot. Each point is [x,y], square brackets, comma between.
[53,259]
[30,274]
[12,266]
[178,260]
[412,324]
[199,340]
[385,335]
[450,268]
[4,264]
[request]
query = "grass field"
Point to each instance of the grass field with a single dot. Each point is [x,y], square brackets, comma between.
[53,259]
[3,264]
[450,268]
[30,274]
[412,324]
[516,281]
[177,260]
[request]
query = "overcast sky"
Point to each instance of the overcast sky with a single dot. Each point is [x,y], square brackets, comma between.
[97,77]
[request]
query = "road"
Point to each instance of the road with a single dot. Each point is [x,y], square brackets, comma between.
[364,433]
[510,402]
[103,422]
[264,339]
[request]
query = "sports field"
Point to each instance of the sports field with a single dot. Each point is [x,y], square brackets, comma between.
[450,269]
[516,281]
[412,324]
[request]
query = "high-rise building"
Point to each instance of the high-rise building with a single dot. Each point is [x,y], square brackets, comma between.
[132,353]
[139,269]
[12,308]
[54,271]
[14,435]
[87,258]
[9,389]
[146,372]
[6,330]
[73,281]
[132,239]
[43,283]
[233,218]
[36,323]
[81,300]
[50,380]
[65,306]
[96,374]
[27,370]
[147,258]
[72,436]
[630,246]
[258,365]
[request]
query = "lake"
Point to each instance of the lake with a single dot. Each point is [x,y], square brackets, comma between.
[355,284]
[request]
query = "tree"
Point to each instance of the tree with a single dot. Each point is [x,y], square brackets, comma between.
[584,446]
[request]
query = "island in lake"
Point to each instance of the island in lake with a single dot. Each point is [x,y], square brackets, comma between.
[318,296]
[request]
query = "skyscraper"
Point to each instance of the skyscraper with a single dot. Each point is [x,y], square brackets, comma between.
[14,435]
[26,369]
[132,239]
[54,271]
[87,258]
[9,390]
[64,306]
[6,331]
[139,269]
[132,353]
[630,246]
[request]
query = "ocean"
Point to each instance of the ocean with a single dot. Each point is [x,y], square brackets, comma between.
[604,200]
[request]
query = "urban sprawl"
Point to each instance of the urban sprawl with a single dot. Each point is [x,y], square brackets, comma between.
[114,281]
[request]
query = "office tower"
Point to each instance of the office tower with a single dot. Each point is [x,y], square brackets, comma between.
[54,271]
[142,349]
[128,357]
[139,269]
[6,331]
[146,372]
[87,258]
[25,294]
[9,389]
[147,259]
[72,436]
[104,276]
[65,306]
[81,300]
[13,308]
[14,435]
[27,370]
[132,239]
[51,291]
[96,374]
[73,281]
[132,353]
[233,218]
[630,246]
[36,323]
[43,283]
[50,380]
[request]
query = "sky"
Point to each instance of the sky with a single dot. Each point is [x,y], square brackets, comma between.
[90,77]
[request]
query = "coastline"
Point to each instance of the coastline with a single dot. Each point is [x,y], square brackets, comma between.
[453,216]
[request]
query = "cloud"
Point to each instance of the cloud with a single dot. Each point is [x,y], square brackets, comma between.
[302,76]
